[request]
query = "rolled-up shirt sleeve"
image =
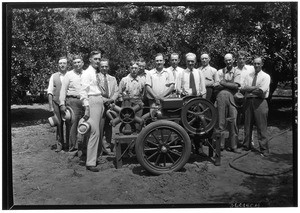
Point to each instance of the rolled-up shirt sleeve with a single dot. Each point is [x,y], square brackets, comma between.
[264,84]
[237,78]
[149,79]
[84,88]
[50,86]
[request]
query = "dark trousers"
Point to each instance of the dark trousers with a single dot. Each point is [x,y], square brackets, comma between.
[78,109]
[60,127]
[256,111]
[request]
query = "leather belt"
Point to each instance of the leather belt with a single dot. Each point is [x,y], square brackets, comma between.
[73,96]
[255,98]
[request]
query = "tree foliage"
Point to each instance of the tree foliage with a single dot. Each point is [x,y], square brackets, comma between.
[40,35]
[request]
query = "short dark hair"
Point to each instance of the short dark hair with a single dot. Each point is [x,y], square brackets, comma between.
[77,57]
[94,53]
[160,54]
[104,59]
[63,57]
[241,53]
[133,62]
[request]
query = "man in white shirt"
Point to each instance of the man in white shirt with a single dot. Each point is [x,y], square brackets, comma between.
[210,75]
[69,96]
[191,81]
[242,67]
[159,82]
[227,112]
[91,94]
[256,88]
[54,87]
[174,68]
[244,70]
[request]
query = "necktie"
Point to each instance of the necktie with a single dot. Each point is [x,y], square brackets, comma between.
[105,94]
[192,83]
[254,79]
[174,73]
[98,81]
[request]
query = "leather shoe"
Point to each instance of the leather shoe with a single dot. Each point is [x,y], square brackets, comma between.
[235,151]
[92,168]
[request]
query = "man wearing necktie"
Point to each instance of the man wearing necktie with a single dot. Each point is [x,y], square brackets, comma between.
[256,88]
[211,76]
[91,95]
[191,82]
[110,92]
[227,113]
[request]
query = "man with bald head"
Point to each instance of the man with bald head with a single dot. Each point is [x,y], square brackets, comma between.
[210,75]
[191,82]
[227,113]
[256,88]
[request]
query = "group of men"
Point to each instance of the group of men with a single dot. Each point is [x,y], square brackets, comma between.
[89,92]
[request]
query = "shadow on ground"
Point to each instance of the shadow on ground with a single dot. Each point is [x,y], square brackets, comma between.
[22,117]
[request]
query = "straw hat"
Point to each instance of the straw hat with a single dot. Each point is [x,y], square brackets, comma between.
[68,115]
[83,126]
[53,120]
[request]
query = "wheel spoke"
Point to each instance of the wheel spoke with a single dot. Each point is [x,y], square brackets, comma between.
[168,138]
[157,159]
[204,110]
[191,112]
[151,156]
[150,149]
[151,142]
[161,135]
[170,157]
[165,160]
[175,153]
[176,139]
[176,147]
[208,119]
[156,138]
[192,121]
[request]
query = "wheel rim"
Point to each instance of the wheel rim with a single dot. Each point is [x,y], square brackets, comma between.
[163,148]
[199,116]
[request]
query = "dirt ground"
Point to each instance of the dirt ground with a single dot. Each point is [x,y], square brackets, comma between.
[43,177]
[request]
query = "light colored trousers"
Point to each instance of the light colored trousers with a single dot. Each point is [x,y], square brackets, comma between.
[96,112]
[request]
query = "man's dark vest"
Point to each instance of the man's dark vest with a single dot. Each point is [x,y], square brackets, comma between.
[56,87]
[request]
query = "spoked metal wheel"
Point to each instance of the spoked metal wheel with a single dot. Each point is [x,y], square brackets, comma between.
[199,116]
[162,147]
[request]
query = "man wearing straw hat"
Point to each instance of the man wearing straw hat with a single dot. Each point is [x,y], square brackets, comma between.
[69,96]
[54,87]
[91,95]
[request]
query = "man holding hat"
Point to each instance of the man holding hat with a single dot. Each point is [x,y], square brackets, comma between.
[54,87]
[91,94]
[69,96]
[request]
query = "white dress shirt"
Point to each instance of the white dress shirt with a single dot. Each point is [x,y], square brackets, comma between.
[88,85]
[262,81]
[184,82]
